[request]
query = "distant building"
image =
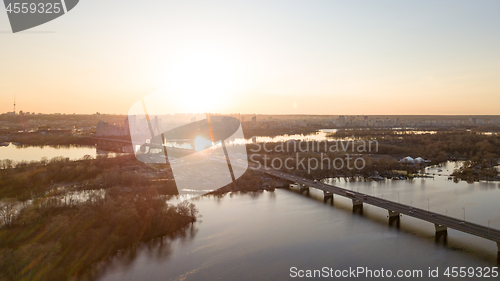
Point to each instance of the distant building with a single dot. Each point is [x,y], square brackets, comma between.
[104,129]
[341,121]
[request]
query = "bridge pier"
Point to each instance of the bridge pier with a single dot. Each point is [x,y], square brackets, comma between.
[357,203]
[440,228]
[327,194]
[357,206]
[393,214]
[303,188]
[393,217]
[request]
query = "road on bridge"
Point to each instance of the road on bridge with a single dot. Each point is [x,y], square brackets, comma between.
[467,227]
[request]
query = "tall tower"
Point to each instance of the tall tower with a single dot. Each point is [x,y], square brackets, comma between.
[14,104]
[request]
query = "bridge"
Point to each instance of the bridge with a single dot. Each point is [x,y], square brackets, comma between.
[129,142]
[119,144]
[441,222]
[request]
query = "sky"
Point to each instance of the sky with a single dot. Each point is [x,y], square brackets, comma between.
[264,57]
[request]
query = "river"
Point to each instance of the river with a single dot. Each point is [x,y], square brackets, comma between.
[36,153]
[19,153]
[261,236]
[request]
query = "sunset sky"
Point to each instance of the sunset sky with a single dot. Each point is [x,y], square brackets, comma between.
[282,57]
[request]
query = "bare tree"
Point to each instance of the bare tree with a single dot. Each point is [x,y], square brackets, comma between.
[7,211]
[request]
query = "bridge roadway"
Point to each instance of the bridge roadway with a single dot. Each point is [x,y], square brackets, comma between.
[154,145]
[130,142]
[440,221]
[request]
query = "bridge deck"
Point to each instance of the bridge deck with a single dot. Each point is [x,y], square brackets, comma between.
[467,227]
[151,145]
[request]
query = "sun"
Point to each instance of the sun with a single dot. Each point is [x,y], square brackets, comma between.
[201,143]
[202,81]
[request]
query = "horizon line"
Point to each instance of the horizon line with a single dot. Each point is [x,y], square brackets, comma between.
[274,114]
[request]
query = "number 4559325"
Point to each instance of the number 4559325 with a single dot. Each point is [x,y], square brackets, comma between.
[34,8]
[478,272]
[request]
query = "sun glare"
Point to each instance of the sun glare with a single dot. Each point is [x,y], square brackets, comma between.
[201,82]
[201,144]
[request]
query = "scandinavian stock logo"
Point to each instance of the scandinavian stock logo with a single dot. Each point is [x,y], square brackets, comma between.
[26,14]
[202,149]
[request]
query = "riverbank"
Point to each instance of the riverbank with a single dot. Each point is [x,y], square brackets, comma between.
[37,139]
[56,240]
[59,217]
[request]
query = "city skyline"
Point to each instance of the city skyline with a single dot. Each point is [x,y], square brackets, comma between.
[325,58]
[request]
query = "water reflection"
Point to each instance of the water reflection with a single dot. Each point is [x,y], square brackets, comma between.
[157,250]
[36,153]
